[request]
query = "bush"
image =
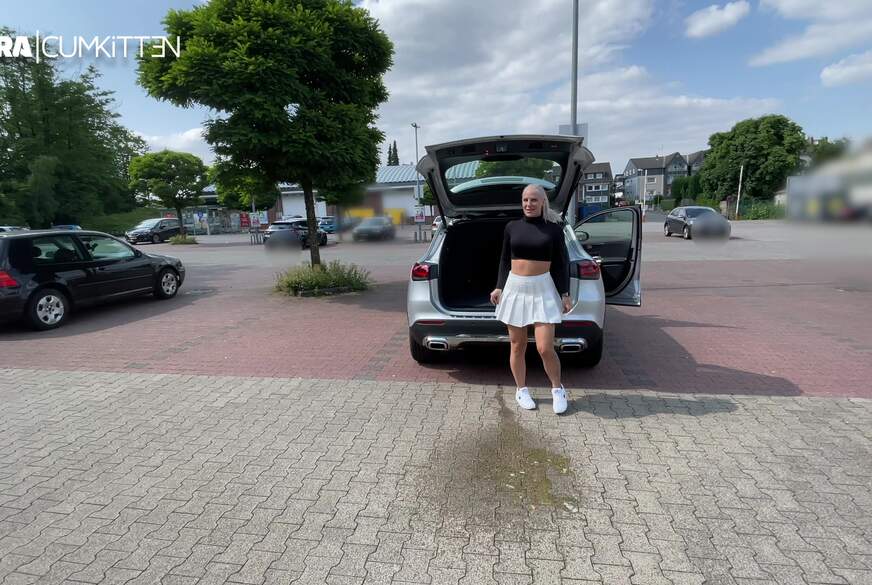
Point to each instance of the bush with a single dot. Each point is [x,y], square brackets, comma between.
[118,223]
[713,203]
[323,280]
[762,210]
[183,240]
[667,204]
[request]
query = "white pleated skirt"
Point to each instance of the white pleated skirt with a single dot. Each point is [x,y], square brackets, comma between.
[529,299]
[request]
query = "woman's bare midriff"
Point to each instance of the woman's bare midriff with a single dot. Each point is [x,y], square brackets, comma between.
[530,267]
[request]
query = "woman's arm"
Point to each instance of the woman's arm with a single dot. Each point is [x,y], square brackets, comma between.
[560,262]
[505,258]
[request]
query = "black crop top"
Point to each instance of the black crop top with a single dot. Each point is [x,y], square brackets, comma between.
[533,238]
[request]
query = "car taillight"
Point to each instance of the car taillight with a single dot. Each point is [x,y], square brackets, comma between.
[588,270]
[421,271]
[7,281]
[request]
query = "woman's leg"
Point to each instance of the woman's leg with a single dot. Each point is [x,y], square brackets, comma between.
[545,345]
[518,340]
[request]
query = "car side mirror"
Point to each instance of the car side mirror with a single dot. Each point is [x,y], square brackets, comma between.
[137,253]
[582,235]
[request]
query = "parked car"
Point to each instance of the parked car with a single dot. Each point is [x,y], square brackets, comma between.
[45,275]
[437,223]
[291,231]
[695,220]
[66,226]
[374,228]
[153,230]
[328,224]
[13,228]
[448,297]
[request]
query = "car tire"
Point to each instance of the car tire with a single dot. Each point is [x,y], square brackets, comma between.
[155,239]
[666,231]
[685,233]
[590,357]
[167,285]
[421,354]
[48,308]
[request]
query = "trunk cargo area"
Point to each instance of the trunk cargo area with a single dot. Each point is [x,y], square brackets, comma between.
[469,263]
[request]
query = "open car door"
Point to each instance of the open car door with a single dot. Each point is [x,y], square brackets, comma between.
[613,238]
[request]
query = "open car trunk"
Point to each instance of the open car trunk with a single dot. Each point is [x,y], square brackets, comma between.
[469,263]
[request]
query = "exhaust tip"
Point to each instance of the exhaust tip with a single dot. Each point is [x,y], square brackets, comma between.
[436,344]
[570,348]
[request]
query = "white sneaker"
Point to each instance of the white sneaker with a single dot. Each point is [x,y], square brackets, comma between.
[522,395]
[559,403]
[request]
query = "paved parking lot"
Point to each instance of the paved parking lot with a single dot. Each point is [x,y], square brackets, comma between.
[233,435]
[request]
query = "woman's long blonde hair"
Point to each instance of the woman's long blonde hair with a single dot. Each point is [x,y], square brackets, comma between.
[547,213]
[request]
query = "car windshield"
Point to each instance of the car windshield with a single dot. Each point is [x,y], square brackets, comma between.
[148,223]
[372,222]
[699,211]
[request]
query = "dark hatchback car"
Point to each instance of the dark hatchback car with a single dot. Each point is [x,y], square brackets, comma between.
[44,275]
[374,228]
[153,230]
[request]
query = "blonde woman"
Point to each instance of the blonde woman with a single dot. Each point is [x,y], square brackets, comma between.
[533,289]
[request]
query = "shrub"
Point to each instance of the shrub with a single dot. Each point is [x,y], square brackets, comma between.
[713,203]
[667,204]
[323,280]
[183,240]
[118,223]
[763,210]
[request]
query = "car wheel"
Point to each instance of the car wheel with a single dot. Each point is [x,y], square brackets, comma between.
[167,284]
[421,354]
[155,239]
[590,357]
[666,231]
[686,233]
[48,308]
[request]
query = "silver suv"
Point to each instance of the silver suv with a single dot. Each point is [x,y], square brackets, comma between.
[477,184]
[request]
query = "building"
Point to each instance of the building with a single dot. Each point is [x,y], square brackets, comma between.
[582,128]
[694,161]
[392,194]
[652,176]
[618,186]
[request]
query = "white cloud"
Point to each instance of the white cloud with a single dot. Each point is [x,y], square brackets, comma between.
[853,69]
[187,141]
[817,40]
[833,26]
[715,19]
[500,66]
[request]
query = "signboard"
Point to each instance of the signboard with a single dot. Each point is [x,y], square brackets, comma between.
[244,220]
[419,214]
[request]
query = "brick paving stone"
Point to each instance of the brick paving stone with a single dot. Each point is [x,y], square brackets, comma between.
[257,480]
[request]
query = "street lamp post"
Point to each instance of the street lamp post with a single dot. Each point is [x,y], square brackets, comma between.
[573,106]
[417,181]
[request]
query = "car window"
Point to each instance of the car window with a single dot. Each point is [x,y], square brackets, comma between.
[106,248]
[45,250]
[698,211]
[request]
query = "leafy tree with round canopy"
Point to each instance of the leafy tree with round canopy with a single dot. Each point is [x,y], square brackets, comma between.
[294,84]
[177,179]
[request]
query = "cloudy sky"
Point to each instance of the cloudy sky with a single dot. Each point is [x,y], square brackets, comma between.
[656,76]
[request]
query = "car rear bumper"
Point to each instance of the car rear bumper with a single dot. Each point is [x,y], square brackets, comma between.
[451,334]
[11,304]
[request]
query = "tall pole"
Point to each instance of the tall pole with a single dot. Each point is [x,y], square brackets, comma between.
[739,195]
[417,188]
[573,106]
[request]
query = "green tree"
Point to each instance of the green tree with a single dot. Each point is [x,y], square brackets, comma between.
[393,155]
[693,190]
[427,197]
[295,83]
[177,179]
[822,150]
[342,197]
[537,168]
[238,187]
[767,147]
[680,188]
[72,122]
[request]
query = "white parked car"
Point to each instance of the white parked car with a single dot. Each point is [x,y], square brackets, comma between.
[448,304]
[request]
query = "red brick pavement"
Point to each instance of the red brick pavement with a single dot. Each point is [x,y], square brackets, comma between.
[747,327]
